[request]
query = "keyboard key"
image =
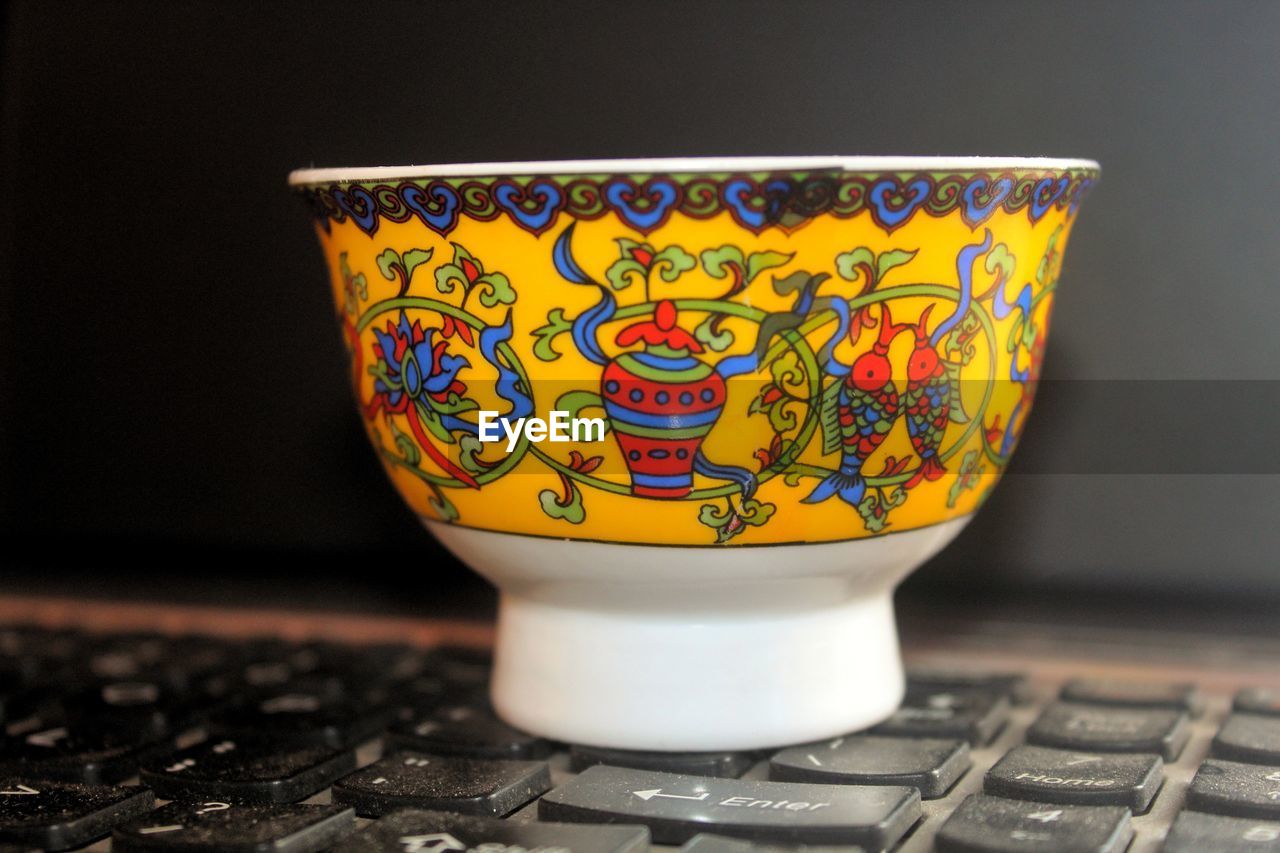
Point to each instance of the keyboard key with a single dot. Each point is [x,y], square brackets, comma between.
[143,706]
[1013,686]
[76,752]
[708,843]
[676,808]
[1251,738]
[1259,700]
[189,660]
[1197,832]
[421,695]
[61,815]
[304,717]
[467,730]
[931,766]
[120,660]
[1092,729]
[983,824]
[726,765]
[1056,776]
[14,688]
[35,650]
[462,665]
[448,783]
[1129,694]
[247,771]
[267,674]
[1232,788]
[398,663]
[218,827]
[21,698]
[277,661]
[972,715]
[470,832]
[324,684]
[451,679]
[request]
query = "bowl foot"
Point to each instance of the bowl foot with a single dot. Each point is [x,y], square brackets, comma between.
[640,679]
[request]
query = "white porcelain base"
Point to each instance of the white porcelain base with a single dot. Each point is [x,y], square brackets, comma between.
[638,681]
[661,648]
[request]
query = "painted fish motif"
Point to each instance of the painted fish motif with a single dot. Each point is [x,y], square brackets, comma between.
[926,402]
[868,408]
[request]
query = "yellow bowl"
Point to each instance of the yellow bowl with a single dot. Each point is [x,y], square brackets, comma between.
[696,418]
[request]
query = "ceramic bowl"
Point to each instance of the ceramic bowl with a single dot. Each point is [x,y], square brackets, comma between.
[696,418]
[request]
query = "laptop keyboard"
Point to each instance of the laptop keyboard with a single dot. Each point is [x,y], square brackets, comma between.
[146,742]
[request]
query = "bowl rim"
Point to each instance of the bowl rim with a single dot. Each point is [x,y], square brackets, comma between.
[684,165]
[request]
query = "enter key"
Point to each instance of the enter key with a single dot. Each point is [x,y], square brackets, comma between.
[677,807]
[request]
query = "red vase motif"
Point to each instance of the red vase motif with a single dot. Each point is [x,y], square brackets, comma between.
[661,402]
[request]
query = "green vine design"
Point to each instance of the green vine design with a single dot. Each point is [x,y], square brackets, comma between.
[639,261]
[466,272]
[970,475]
[734,520]
[355,287]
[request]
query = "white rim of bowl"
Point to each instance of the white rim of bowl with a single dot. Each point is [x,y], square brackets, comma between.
[684,165]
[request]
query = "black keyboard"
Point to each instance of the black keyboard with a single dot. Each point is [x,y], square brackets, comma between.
[147,742]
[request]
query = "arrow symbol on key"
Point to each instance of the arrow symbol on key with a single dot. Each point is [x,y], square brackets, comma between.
[657,792]
[22,791]
[435,843]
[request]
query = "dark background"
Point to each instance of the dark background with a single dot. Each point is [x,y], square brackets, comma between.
[173,415]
